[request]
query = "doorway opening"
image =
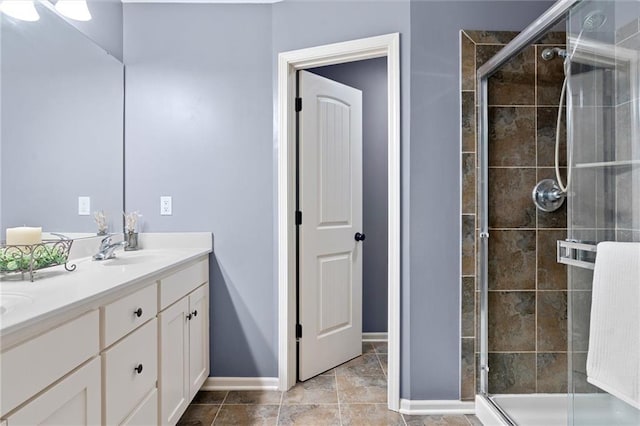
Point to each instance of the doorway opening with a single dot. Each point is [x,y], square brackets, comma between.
[288,65]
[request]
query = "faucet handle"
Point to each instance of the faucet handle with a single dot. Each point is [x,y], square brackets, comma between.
[106,241]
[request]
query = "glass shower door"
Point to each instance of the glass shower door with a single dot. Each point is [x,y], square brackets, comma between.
[604,150]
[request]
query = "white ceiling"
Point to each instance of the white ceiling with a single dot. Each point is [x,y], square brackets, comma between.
[201,1]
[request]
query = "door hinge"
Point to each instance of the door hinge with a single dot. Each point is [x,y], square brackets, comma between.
[298,217]
[298,104]
[298,331]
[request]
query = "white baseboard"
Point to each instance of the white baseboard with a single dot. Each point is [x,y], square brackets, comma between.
[240,383]
[432,407]
[375,337]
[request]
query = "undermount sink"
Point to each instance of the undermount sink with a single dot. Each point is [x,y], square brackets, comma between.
[9,301]
[129,258]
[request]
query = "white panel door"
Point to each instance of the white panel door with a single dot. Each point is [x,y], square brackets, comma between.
[330,191]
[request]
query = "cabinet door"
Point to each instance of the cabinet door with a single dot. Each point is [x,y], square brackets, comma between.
[173,357]
[198,339]
[74,401]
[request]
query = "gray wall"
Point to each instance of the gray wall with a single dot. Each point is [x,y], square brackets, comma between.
[200,126]
[370,76]
[433,339]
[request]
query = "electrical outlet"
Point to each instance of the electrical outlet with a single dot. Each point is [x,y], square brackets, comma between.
[84,206]
[165,205]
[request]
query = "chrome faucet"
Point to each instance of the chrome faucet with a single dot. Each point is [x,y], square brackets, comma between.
[107,249]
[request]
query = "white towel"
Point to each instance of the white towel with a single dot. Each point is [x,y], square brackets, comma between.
[613,361]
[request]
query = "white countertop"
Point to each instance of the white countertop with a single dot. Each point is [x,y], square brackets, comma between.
[57,295]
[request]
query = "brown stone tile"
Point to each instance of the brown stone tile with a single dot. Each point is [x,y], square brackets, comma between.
[491,37]
[473,420]
[551,274]
[369,414]
[512,136]
[468,245]
[510,204]
[380,347]
[623,128]
[365,365]
[468,371]
[550,75]
[468,303]
[309,415]
[632,42]
[558,218]
[580,319]
[209,397]
[628,235]
[512,260]
[199,415]
[253,397]
[367,348]
[383,362]
[453,420]
[628,29]
[469,183]
[468,122]
[468,63]
[546,134]
[514,82]
[554,37]
[512,321]
[264,415]
[552,372]
[512,372]
[318,390]
[552,321]
[579,382]
[364,389]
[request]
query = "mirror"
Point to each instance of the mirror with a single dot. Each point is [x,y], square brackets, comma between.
[61,126]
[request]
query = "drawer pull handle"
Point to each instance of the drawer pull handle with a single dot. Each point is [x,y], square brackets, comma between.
[189,317]
[138,369]
[195,313]
[138,312]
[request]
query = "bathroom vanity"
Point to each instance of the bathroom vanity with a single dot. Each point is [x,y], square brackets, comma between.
[120,341]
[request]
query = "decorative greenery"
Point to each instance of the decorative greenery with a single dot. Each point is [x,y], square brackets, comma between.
[13,259]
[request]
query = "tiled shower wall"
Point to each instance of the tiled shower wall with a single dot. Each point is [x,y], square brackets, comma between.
[527,288]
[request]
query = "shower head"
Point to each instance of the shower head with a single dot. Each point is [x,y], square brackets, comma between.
[593,21]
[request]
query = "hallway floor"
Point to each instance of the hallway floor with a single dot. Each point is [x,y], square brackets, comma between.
[354,393]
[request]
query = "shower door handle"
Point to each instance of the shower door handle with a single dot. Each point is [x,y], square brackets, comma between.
[359,236]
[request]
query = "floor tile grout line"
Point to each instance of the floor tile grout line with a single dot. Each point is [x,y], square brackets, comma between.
[279,408]
[220,408]
[335,378]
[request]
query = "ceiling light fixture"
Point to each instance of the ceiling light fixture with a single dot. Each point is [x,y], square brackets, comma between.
[20,9]
[74,9]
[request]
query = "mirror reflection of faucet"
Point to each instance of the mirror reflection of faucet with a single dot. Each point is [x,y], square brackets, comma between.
[107,248]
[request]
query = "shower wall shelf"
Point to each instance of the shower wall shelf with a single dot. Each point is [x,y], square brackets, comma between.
[622,163]
[574,253]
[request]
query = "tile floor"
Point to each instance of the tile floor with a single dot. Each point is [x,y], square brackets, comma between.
[354,393]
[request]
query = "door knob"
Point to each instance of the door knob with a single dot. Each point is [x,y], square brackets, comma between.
[359,236]
[138,369]
[138,312]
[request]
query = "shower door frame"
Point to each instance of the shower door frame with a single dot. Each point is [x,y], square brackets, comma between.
[556,13]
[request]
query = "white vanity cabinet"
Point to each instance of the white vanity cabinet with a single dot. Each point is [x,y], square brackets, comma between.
[184,340]
[127,357]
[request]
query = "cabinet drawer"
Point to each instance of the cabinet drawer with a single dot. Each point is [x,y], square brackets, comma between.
[128,313]
[124,386]
[46,358]
[146,413]
[183,282]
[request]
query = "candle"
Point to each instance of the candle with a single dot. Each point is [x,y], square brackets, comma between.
[24,235]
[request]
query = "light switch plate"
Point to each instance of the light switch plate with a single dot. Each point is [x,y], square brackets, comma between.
[166,205]
[84,206]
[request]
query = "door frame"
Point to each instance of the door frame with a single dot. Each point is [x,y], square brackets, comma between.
[288,63]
